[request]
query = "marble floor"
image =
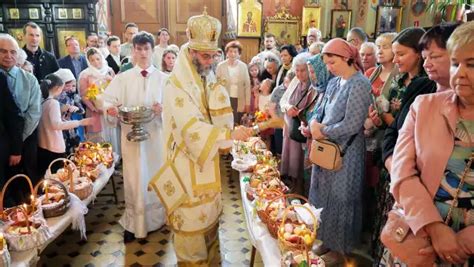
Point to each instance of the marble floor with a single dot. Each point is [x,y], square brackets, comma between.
[105,247]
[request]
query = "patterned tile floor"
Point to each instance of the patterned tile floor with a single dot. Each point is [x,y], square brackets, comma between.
[104,245]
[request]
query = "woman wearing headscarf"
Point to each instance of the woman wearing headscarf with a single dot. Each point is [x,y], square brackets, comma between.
[319,76]
[71,108]
[340,119]
[99,74]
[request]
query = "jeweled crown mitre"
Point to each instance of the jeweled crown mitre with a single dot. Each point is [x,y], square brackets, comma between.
[204,32]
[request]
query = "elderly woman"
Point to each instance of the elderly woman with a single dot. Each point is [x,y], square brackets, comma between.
[427,176]
[341,119]
[236,79]
[287,53]
[271,65]
[319,76]
[294,101]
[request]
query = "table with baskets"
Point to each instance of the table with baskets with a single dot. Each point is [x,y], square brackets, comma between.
[52,215]
[281,226]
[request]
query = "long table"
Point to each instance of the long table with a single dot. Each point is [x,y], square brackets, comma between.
[260,238]
[57,225]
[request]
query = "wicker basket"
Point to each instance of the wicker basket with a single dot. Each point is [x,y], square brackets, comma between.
[5,258]
[81,186]
[299,246]
[33,209]
[56,208]
[107,154]
[32,216]
[263,202]
[38,235]
[61,173]
[273,224]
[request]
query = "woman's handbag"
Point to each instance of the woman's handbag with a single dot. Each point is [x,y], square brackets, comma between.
[327,154]
[403,243]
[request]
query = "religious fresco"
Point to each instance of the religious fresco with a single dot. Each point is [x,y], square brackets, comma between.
[272,7]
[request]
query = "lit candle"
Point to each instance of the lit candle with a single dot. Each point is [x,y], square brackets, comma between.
[1,242]
[46,189]
[70,175]
[25,211]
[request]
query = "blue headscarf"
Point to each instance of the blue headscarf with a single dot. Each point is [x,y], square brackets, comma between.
[322,74]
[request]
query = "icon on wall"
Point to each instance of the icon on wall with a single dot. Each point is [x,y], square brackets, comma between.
[340,22]
[311,19]
[33,13]
[62,13]
[249,19]
[14,13]
[389,19]
[77,13]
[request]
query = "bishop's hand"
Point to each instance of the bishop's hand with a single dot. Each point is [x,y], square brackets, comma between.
[241,133]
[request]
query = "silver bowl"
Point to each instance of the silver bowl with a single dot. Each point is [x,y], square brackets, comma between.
[136,116]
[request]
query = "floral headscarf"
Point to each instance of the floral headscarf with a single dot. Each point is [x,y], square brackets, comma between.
[322,74]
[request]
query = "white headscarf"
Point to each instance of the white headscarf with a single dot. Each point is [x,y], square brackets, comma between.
[91,70]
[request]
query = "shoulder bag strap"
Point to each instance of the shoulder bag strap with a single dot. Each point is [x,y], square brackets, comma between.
[467,168]
[303,97]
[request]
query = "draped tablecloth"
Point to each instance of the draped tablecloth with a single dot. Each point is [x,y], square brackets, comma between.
[260,238]
[57,225]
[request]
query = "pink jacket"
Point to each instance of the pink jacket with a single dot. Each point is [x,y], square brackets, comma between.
[424,145]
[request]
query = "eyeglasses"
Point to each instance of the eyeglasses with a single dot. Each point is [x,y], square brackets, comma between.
[312,36]
[352,41]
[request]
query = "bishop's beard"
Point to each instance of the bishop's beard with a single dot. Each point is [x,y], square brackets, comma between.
[201,69]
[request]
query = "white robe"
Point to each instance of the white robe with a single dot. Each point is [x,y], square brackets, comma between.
[141,160]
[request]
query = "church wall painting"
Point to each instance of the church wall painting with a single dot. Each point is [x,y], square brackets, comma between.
[249,18]
[389,19]
[311,19]
[286,31]
[340,22]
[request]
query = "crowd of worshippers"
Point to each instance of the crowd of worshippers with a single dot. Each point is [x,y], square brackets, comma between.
[354,92]
[35,129]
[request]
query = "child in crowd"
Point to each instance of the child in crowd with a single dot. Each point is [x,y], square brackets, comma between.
[71,109]
[254,73]
[51,143]
[266,88]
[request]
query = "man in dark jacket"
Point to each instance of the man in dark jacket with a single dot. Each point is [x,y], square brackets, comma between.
[11,131]
[43,61]
[74,60]
[114,59]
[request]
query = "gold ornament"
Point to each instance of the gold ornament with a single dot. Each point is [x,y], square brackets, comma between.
[204,32]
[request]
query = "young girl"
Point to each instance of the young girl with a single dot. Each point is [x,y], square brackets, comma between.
[254,73]
[264,102]
[51,143]
[167,63]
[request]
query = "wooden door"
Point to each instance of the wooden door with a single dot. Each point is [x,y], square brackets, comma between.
[179,11]
[149,15]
